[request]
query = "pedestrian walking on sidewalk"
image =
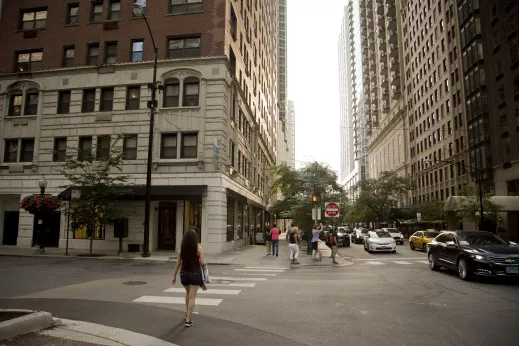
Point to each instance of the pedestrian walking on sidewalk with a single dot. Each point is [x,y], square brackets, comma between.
[316,231]
[274,236]
[268,242]
[189,261]
[294,245]
[334,244]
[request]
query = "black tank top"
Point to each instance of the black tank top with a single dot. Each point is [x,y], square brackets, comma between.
[292,239]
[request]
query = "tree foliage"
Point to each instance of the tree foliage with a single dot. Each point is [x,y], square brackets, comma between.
[469,206]
[101,183]
[297,188]
[432,210]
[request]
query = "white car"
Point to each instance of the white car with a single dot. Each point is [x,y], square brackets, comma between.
[379,241]
[397,236]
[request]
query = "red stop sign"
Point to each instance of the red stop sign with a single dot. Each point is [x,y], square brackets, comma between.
[331,209]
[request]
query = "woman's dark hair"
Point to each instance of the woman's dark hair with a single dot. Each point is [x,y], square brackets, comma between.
[189,250]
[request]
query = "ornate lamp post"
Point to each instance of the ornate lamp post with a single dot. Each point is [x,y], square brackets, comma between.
[42,184]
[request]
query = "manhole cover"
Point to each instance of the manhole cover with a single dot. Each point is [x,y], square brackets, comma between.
[222,281]
[133,283]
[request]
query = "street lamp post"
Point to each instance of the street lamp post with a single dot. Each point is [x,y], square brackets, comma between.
[42,184]
[138,10]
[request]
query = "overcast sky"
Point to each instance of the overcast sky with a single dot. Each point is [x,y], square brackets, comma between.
[313,34]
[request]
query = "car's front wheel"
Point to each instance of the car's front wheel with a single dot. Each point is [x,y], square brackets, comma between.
[411,245]
[463,269]
[432,262]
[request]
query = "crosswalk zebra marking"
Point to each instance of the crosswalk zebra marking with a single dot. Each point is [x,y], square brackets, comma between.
[275,268]
[209,291]
[177,300]
[237,279]
[260,270]
[375,263]
[400,262]
[262,274]
[239,284]
[424,262]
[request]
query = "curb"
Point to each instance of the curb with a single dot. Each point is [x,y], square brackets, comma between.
[32,322]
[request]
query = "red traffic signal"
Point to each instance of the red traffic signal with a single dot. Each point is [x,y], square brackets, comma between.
[314,198]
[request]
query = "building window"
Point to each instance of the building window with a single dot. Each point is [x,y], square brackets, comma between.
[29,61]
[93,54]
[114,12]
[72,14]
[171,93]
[168,148]
[185,6]
[130,147]
[189,146]
[230,218]
[96,12]
[27,152]
[133,95]
[31,102]
[15,104]
[183,47]
[64,102]
[85,149]
[68,56]
[60,150]
[89,101]
[137,50]
[34,19]
[103,147]
[107,100]
[111,53]
[231,153]
[11,150]
[191,92]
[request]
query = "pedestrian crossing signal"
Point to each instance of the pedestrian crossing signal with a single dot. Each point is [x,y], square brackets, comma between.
[314,198]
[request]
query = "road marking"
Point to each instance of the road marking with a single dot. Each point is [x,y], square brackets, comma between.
[242,284]
[264,274]
[424,262]
[401,262]
[375,263]
[237,279]
[209,291]
[386,259]
[177,300]
[275,268]
[260,270]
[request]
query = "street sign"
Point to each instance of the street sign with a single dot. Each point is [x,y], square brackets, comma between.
[318,210]
[331,209]
[419,217]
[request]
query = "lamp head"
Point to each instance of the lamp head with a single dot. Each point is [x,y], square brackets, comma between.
[42,183]
[138,10]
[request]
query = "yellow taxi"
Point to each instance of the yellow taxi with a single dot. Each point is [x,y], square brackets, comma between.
[420,239]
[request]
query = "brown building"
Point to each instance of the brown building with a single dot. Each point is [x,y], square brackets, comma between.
[75,74]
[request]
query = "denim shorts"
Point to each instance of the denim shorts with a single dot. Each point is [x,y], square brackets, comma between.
[193,278]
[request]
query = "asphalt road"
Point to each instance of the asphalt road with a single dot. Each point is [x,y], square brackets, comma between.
[381,299]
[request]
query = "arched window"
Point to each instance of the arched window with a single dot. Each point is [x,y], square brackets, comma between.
[191,92]
[171,93]
[15,103]
[31,102]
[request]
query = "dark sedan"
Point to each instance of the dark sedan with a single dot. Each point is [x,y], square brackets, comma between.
[357,237]
[474,253]
[343,236]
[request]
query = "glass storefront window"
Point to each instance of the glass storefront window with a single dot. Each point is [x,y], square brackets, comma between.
[239,226]
[230,218]
[193,217]
[246,220]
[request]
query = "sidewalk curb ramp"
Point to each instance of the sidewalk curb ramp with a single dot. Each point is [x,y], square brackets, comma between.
[28,322]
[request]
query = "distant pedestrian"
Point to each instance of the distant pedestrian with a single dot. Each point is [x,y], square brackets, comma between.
[334,244]
[268,243]
[294,245]
[316,231]
[274,236]
[190,259]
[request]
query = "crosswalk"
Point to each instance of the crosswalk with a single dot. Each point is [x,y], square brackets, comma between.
[222,287]
[383,263]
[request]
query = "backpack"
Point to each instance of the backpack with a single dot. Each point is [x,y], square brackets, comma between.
[331,239]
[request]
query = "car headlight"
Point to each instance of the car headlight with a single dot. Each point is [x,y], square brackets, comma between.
[480,257]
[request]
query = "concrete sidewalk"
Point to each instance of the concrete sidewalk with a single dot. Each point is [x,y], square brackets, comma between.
[245,255]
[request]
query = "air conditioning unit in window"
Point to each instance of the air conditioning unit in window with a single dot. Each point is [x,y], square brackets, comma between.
[232,171]
[247,183]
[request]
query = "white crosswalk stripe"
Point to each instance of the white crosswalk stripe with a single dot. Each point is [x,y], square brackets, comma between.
[209,291]
[177,300]
[261,274]
[424,262]
[237,279]
[386,262]
[275,268]
[260,270]
[375,263]
[239,284]
[401,262]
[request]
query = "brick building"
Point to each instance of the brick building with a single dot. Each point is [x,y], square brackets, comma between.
[75,75]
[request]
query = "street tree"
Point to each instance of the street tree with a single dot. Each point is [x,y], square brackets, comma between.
[432,210]
[97,174]
[297,188]
[470,206]
[379,195]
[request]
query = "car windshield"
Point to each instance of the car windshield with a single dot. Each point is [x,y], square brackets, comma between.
[392,230]
[364,231]
[480,239]
[430,234]
[381,234]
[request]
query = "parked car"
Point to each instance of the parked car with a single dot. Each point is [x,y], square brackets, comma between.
[474,253]
[357,237]
[420,239]
[379,241]
[343,237]
[396,234]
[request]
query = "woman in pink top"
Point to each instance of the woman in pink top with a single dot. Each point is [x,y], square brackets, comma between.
[274,234]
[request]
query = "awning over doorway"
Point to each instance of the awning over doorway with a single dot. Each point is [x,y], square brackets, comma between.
[158,192]
[507,203]
[244,199]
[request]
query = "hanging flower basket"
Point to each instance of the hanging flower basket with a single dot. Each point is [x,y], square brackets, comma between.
[40,204]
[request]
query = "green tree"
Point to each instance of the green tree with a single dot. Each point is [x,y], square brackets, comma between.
[297,187]
[469,206]
[379,195]
[101,183]
[432,210]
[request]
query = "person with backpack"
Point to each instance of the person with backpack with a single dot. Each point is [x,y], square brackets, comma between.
[332,240]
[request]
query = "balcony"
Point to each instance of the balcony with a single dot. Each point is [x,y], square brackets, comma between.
[381,32]
[380,7]
[380,20]
[390,9]
[390,23]
[393,64]
[371,43]
[393,50]
[392,37]
[395,92]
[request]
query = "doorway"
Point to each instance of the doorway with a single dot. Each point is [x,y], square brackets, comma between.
[11,219]
[51,225]
[167,226]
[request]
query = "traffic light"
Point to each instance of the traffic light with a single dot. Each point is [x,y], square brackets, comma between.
[314,198]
